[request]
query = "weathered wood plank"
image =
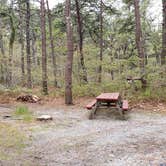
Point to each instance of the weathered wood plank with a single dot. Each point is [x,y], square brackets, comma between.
[91,104]
[125,105]
[108,96]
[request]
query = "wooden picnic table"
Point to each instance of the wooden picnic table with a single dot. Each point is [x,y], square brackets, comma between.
[108,100]
[108,97]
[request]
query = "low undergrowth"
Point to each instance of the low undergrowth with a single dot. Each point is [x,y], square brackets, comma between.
[156,90]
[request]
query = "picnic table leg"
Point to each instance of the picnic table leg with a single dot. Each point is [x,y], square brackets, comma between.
[93,112]
[96,107]
[121,111]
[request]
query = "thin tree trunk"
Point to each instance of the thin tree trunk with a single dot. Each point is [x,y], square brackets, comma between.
[2,77]
[28,52]
[22,43]
[163,53]
[34,48]
[11,43]
[4,61]
[9,81]
[145,51]
[52,45]
[111,62]
[69,60]
[1,44]
[80,34]
[138,35]
[101,42]
[22,62]
[144,35]
[44,54]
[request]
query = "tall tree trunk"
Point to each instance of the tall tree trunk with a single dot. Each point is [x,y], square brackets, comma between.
[69,60]
[101,42]
[28,52]
[1,43]
[163,53]
[22,62]
[2,77]
[80,34]
[44,54]
[138,34]
[4,61]
[34,48]
[52,45]
[145,3]
[11,43]
[22,42]
[10,66]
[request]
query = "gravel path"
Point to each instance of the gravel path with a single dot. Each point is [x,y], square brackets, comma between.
[73,140]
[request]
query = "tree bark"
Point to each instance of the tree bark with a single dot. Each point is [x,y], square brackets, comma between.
[80,34]
[2,78]
[101,42]
[28,52]
[4,65]
[11,43]
[69,60]
[163,53]
[52,45]
[22,43]
[138,34]
[1,44]
[10,67]
[34,48]
[22,62]
[44,54]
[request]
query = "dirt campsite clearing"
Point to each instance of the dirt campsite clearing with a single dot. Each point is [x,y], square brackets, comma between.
[72,139]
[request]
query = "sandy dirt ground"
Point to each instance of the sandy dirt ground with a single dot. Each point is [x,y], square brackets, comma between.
[71,139]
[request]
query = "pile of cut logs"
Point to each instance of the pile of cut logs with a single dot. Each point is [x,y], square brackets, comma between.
[28,98]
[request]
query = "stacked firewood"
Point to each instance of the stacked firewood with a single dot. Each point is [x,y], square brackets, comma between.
[28,98]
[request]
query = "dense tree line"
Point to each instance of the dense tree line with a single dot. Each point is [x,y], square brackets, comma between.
[78,43]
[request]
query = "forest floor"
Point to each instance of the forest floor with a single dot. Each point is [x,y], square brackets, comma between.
[71,139]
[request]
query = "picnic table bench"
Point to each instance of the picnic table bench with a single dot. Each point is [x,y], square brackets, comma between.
[111,100]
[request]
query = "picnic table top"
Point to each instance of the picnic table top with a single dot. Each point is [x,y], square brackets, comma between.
[108,96]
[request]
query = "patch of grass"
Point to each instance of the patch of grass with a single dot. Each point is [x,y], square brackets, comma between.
[24,113]
[12,141]
[22,110]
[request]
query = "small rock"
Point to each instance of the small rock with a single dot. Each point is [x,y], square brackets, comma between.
[44,118]
[37,157]
[6,116]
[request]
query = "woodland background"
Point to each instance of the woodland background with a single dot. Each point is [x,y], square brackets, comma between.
[96,43]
